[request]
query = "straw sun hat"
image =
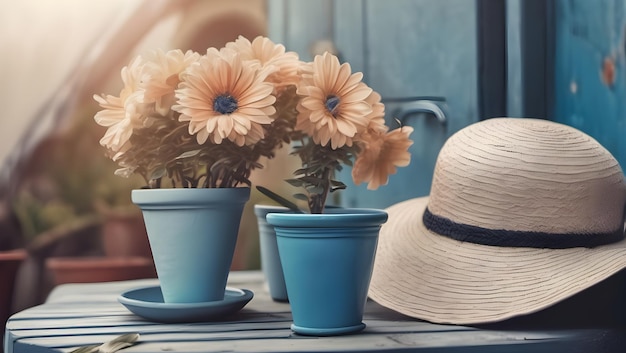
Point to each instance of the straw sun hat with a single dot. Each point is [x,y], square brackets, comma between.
[522,214]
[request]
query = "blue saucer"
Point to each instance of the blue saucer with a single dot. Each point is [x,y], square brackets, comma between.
[148,303]
[331,331]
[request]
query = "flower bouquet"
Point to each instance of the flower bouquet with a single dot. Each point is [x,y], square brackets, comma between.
[201,121]
[195,126]
[340,120]
[205,121]
[334,120]
[327,256]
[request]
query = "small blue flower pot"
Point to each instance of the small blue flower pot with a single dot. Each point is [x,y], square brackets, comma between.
[327,261]
[270,260]
[192,234]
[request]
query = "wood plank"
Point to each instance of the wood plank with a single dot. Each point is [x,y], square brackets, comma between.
[86,314]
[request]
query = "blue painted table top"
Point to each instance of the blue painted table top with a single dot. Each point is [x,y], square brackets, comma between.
[86,314]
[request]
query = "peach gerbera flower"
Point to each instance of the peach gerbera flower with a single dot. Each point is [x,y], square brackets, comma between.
[282,66]
[376,118]
[124,113]
[162,70]
[333,107]
[222,98]
[381,155]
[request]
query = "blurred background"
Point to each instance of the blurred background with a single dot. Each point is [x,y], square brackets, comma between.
[439,66]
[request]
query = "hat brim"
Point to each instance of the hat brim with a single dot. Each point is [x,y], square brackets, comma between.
[434,278]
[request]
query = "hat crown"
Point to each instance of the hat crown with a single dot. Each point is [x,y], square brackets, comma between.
[522,214]
[528,175]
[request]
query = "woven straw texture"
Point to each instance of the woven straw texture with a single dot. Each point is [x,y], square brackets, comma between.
[503,174]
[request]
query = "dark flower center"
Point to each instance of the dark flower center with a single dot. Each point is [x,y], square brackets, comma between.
[225,104]
[331,104]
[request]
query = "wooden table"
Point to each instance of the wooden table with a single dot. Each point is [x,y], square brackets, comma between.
[84,314]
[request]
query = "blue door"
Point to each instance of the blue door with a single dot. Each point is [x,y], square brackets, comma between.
[420,55]
[590,70]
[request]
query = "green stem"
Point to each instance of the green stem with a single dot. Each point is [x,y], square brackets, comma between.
[318,201]
[279,199]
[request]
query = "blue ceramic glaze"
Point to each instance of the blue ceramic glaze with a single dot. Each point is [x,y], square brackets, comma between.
[270,260]
[332,217]
[148,303]
[327,262]
[192,234]
[188,197]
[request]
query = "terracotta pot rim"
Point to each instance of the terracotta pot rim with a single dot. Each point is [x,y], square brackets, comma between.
[98,262]
[13,255]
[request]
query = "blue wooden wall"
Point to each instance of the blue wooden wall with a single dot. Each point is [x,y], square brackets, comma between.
[590,70]
[565,60]
[408,50]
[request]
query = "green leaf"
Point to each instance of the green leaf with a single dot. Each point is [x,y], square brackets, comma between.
[315,189]
[299,171]
[338,187]
[311,180]
[337,183]
[301,197]
[188,154]
[347,162]
[158,173]
[295,182]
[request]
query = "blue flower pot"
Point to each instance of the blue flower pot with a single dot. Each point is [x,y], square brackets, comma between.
[327,261]
[270,260]
[192,234]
